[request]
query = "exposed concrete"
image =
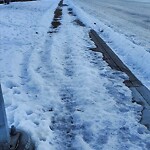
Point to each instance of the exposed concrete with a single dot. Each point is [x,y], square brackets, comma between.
[140,93]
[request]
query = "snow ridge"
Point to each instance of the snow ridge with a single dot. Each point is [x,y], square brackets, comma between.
[133,54]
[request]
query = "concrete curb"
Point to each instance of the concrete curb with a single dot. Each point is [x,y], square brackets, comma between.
[140,93]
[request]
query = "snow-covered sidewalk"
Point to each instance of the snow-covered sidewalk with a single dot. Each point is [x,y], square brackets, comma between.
[59,90]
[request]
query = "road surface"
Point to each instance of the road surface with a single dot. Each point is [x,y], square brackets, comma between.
[130,17]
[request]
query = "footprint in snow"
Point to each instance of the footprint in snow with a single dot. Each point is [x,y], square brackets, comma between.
[11,85]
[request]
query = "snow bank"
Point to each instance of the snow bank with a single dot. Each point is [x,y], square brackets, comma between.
[133,55]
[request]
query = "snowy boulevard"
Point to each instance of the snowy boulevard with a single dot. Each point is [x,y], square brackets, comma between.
[59,90]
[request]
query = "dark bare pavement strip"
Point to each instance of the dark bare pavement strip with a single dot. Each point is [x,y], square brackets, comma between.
[140,93]
[2,1]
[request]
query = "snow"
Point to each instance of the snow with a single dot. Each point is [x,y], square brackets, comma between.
[123,25]
[60,91]
[142,1]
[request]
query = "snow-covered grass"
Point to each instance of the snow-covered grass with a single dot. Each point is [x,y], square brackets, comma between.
[60,91]
[23,29]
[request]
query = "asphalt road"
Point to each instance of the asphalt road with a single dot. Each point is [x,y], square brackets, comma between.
[130,17]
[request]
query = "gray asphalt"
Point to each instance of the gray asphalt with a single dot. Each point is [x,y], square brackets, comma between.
[130,17]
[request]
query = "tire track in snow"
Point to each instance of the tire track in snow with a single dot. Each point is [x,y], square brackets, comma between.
[63,121]
[30,66]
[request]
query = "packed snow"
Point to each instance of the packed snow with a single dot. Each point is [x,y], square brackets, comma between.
[59,90]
